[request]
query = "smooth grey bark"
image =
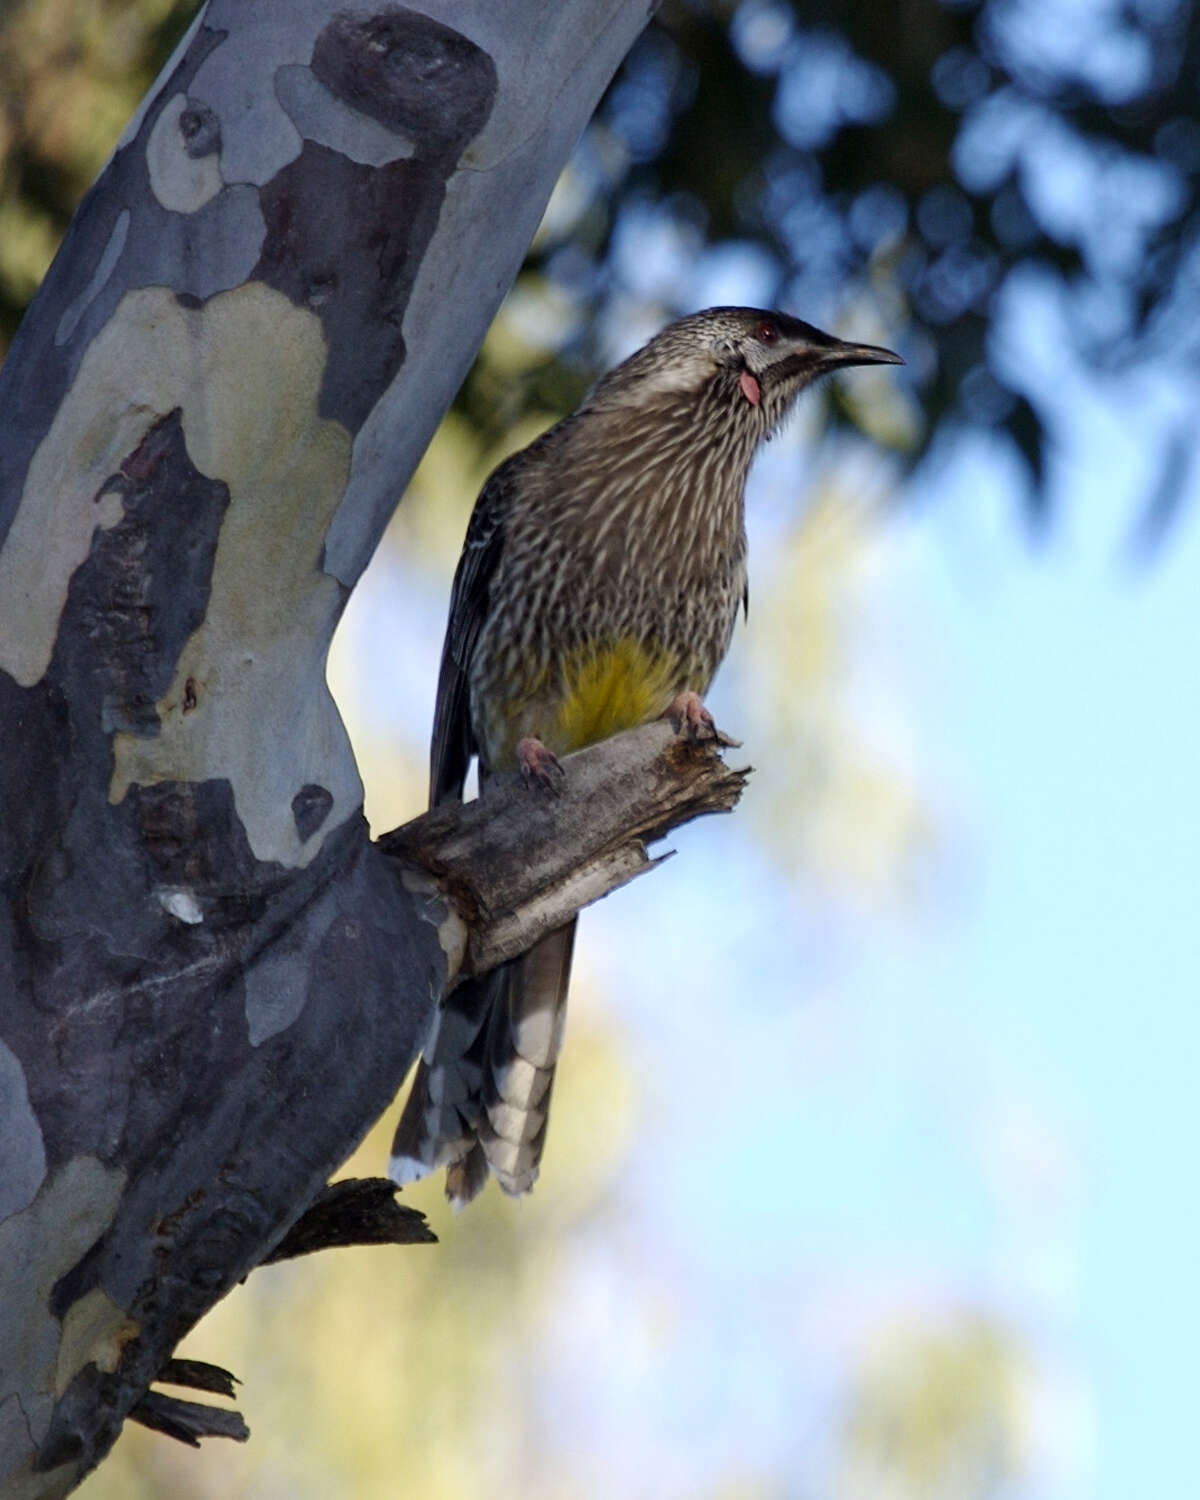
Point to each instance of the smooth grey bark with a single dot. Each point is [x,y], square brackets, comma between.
[211,981]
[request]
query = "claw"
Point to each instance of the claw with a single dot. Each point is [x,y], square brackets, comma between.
[539,766]
[691,719]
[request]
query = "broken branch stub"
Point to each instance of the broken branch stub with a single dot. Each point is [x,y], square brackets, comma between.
[520,861]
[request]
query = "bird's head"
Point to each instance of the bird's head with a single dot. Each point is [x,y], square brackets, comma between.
[741,362]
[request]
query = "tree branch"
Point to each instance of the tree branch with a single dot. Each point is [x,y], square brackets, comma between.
[521,861]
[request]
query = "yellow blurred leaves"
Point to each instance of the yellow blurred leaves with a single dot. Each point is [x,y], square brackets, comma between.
[937,1414]
[28,240]
[835,793]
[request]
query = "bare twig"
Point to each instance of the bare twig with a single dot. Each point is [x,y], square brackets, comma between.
[198,1375]
[355,1211]
[188,1421]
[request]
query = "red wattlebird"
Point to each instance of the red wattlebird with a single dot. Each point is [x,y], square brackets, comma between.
[600,580]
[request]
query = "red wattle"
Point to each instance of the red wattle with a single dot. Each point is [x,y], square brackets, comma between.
[749,387]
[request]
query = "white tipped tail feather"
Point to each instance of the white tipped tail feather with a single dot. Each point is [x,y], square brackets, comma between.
[480,1097]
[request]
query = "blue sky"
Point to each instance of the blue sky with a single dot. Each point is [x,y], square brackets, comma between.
[1077,718]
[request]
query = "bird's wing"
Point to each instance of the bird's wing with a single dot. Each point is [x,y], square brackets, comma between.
[454,740]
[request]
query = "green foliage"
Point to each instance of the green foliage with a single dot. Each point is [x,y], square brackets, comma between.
[71,74]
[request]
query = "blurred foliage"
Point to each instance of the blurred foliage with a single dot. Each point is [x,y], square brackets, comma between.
[900,166]
[71,75]
[840,806]
[936,1415]
[889,167]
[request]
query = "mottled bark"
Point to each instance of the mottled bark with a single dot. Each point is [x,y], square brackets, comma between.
[211,982]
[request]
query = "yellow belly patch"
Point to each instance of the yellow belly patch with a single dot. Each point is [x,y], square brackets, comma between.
[610,688]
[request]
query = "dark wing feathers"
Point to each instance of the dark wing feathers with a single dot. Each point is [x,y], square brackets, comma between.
[454,741]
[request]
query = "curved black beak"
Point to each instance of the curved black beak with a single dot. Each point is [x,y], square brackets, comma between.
[809,353]
[840,354]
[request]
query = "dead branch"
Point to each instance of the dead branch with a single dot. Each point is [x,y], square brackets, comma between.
[520,861]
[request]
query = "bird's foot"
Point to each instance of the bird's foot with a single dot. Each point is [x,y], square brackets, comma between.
[539,766]
[691,719]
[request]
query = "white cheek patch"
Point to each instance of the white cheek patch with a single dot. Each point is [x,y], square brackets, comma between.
[750,387]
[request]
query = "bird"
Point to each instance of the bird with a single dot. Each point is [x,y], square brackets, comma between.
[600,581]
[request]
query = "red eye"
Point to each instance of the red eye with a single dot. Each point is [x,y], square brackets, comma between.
[766,333]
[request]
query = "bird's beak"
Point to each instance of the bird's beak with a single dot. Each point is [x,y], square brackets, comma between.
[812,361]
[840,354]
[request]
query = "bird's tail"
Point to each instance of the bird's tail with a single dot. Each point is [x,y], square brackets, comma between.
[480,1097]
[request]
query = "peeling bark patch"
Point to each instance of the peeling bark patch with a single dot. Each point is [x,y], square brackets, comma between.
[435,909]
[181,159]
[181,904]
[153,241]
[22,1149]
[82,1278]
[163,1074]
[411,73]
[37,1246]
[199,129]
[211,248]
[94,1331]
[105,266]
[51,534]
[329,121]
[194,843]
[32,784]
[355,267]
[237,383]
[136,372]
[310,808]
[275,994]
[15,1438]
[144,588]
[257,138]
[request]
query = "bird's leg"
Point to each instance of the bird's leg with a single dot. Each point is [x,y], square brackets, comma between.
[691,719]
[689,716]
[539,766]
